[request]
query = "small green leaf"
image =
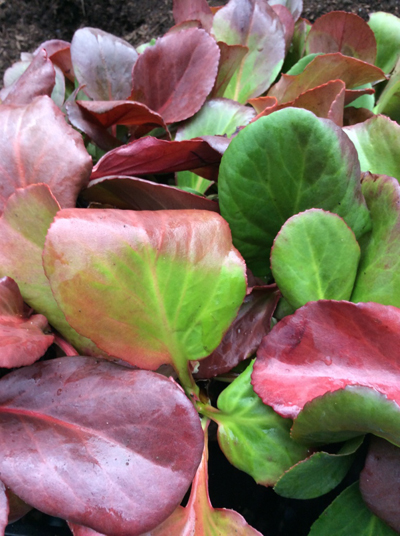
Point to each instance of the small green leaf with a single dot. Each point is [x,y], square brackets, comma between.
[318,474]
[386,28]
[348,515]
[252,436]
[389,101]
[302,63]
[315,257]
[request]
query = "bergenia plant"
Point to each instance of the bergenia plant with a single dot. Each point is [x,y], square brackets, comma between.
[222,203]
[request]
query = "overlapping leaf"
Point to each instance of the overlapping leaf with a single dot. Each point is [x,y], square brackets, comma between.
[99,436]
[389,101]
[386,28]
[193,10]
[261,186]
[343,32]
[255,25]
[190,58]
[180,291]
[294,6]
[325,346]
[23,228]
[103,64]
[315,257]
[230,59]
[59,52]
[44,149]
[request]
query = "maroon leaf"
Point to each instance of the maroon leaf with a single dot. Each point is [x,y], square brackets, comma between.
[190,58]
[325,346]
[343,32]
[17,507]
[59,52]
[45,150]
[103,63]
[245,334]
[150,155]
[138,194]
[287,22]
[193,10]
[38,79]
[230,59]
[80,530]
[22,340]
[380,481]
[261,104]
[104,446]
[4,509]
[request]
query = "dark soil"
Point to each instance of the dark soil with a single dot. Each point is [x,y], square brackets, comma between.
[24,24]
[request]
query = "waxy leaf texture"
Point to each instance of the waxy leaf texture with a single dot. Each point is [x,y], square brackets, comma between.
[110,448]
[326,346]
[179,278]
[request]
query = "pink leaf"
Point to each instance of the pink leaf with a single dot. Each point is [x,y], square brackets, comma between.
[4,509]
[287,22]
[184,10]
[22,340]
[103,446]
[59,52]
[45,149]
[343,32]
[190,58]
[325,346]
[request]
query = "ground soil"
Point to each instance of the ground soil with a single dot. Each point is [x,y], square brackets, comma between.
[24,24]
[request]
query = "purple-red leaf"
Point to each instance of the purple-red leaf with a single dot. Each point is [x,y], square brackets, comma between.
[325,346]
[22,341]
[380,481]
[287,22]
[80,530]
[245,334]
[4,509]
[193,10]
[44,149]
[103,63]
[104,446]
[59,52]
[150,155]
[175,76]
[138,194]
[230,59]
[38,79]
[343,32]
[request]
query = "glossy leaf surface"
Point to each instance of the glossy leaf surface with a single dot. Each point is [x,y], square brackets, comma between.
[180,292]
[190,58]
[45,149]
[343,32]
[260,187]
[252,436]
[315,257]
[199,518]
[386,28]
[23,228]
[255,25]
[103,63]
[23,338]
[138,194]
[348,514]
[245,333]
[325,346]
[318,474]
[378,278]
[378,145]
[99,436]
[380,481]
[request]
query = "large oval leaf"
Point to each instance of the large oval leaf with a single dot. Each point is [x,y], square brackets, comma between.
[45,149]
[190,58]
[261,186]
[176,273]
[325,346]
[386,28]
[87,440]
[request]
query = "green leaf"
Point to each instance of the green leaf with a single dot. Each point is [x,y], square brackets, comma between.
[378,278]
[149,287]
[377,141]
[315,257]
[348,515]
[365,101]
[389,101]
[302,63]
[262,183]
[252,436]
[346,413]
[318,474]
[386,28]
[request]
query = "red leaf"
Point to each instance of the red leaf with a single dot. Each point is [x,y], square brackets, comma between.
[230,59]
[193,10]
[22,341]
[80,530]
[380,481]
[4,509]
[343,32]
[287,21]
[138,194]
[103,446]
[325,346]
[45,149]
[38,79]
[59,52]
[190,58]
[245,334]
[151,155]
